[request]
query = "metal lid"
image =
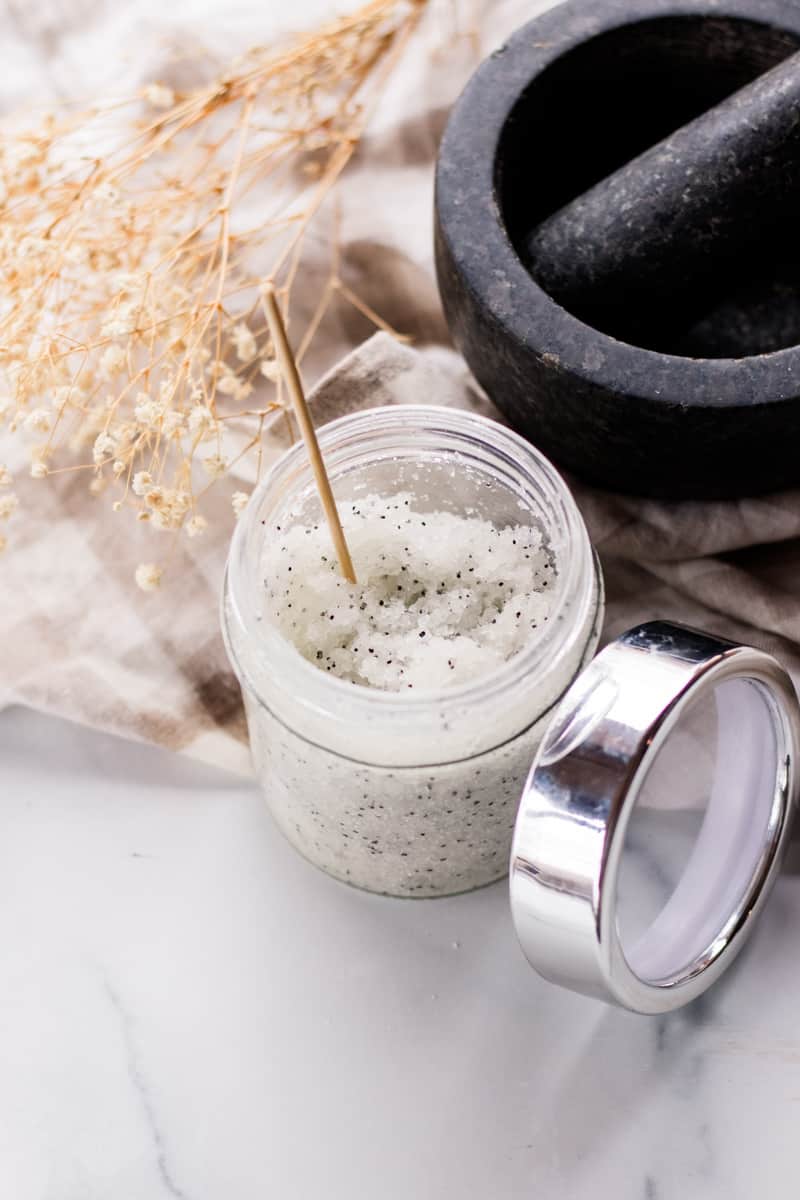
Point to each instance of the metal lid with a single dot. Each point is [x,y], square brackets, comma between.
[655,817]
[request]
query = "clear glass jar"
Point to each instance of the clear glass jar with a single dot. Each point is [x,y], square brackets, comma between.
[408,794]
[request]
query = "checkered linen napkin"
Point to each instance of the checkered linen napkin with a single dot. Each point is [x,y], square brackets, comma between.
[83,642]
[80,640]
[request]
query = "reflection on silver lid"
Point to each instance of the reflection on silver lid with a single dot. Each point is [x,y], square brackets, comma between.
[655,817]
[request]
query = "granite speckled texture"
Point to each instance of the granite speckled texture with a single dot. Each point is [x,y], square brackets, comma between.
[620,415]
[669,231]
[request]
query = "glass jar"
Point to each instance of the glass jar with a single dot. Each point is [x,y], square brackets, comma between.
[408,794]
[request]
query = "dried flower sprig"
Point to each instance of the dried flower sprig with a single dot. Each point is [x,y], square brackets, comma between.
[133,344]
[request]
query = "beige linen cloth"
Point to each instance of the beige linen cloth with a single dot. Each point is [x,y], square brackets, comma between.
[80,640]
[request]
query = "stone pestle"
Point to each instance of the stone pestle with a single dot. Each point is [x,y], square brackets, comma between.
[651,246]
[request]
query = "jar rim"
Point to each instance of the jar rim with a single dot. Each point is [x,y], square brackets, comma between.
[322,691]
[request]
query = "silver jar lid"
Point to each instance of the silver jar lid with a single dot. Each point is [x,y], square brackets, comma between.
[655,817]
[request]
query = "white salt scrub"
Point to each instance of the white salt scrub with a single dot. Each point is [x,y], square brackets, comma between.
[393,722]
[441,598]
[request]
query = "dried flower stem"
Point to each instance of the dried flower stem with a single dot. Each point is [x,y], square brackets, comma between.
[134,272]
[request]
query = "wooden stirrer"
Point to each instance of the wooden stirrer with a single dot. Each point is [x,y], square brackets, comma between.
[291,377]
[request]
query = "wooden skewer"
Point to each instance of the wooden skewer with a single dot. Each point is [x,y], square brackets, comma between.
[291,377]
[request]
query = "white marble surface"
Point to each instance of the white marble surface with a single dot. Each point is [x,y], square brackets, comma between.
[188,1009]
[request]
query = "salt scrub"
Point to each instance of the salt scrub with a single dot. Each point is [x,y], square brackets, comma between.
[409,831]
[441,599]
[462,532]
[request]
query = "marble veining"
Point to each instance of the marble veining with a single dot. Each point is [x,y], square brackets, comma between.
[142,1089]
[190,1011]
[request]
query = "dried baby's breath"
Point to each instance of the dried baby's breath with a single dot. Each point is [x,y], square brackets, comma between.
[196,525]
[270,369]
[215,466]
[159,95]
[9,503]
[148,577]
[132,341]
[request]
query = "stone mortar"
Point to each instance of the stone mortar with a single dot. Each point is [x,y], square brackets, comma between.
[708,404]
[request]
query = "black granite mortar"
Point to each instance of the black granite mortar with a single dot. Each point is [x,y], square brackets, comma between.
[572,97]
